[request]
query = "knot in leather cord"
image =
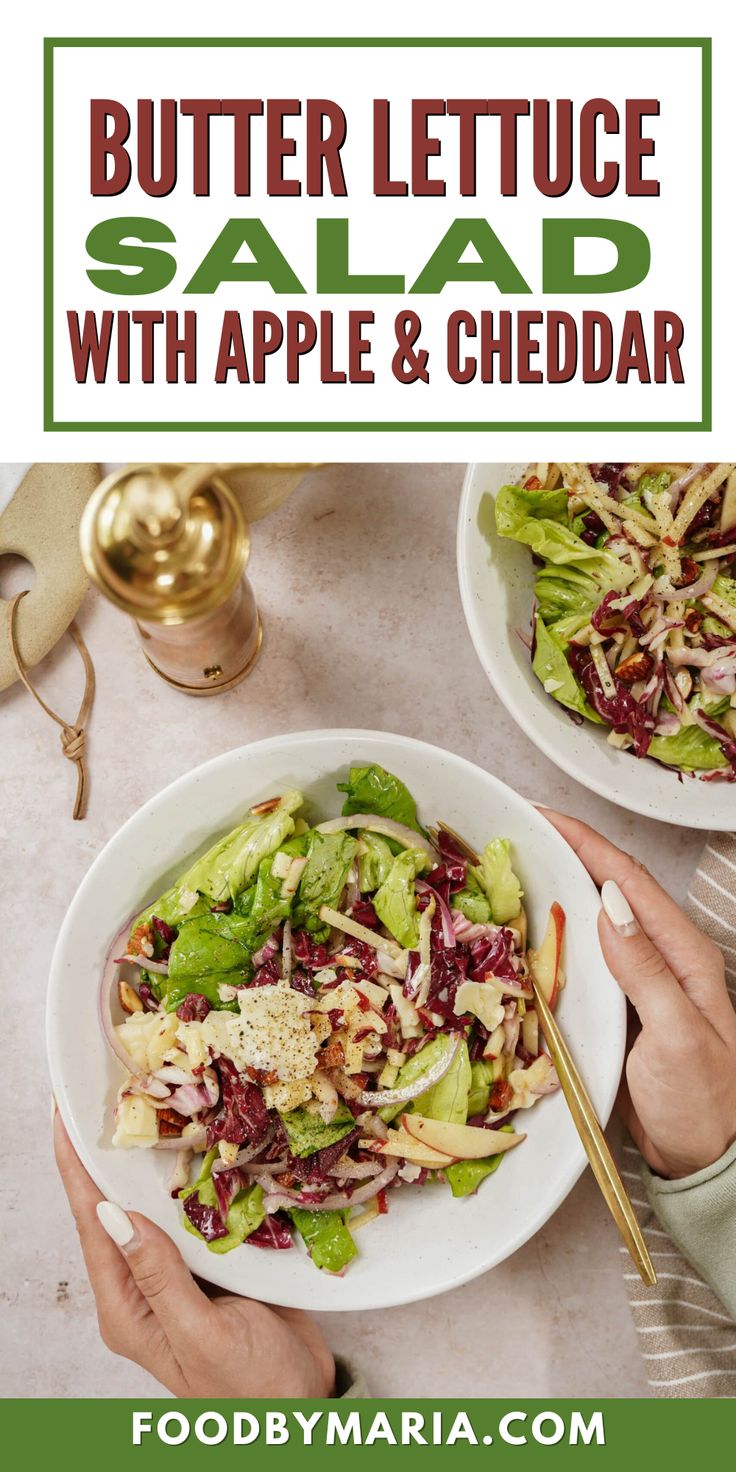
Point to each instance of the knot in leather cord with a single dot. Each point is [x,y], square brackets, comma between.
[73,738]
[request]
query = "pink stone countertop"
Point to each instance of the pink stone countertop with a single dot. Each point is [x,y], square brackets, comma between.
[355,577]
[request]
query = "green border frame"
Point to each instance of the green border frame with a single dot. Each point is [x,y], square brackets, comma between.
[703,43]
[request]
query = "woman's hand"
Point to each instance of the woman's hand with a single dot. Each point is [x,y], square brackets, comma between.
[679,1096]
[151,1310]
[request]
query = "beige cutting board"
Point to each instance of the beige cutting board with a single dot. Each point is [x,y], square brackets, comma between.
[41,523]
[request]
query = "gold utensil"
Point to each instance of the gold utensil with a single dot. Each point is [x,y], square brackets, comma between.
[584,1116]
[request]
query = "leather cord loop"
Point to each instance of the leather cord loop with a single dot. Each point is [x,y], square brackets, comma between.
[73,737]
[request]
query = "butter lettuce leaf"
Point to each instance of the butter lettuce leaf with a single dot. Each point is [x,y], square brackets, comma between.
[395,903]
[496,876]
[329,857]
[264,904]
[308,1132]
[465,1176]
[565,593]
[533,517]
[224,871]
[327,1238]
[374,790]
[413,1069]
[245,1213]
[448,1099]
[472,902]
[691,749]
[227,868]
[481,1081]
[209,943]
[375,862]
[553,671]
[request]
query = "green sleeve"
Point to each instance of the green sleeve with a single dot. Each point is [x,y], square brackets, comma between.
[699,1214]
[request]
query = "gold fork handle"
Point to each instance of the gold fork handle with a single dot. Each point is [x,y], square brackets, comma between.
[584,1116]
[601,1160]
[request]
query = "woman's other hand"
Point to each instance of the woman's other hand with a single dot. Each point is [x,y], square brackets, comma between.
[679,1095]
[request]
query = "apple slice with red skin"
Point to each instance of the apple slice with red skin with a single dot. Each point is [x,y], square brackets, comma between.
[545,964]
[464,1141]
[401,1143]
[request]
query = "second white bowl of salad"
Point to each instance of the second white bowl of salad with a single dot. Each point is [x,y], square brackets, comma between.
[291,1023]
[602,604]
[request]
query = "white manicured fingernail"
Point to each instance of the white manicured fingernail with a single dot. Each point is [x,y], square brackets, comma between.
[117,1225]
[53,1108]
[536,804]
[618,909]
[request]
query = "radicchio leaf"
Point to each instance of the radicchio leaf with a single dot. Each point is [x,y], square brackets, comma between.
[206,1219]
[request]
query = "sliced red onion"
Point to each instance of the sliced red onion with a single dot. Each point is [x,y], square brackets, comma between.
[191,1098]
[674,693]
[355,1170]
[668,724]
[266,1168]
[386,826]
[675,490]
[448,929]
[151,1087]
[170,1074]
[659,631]
[245,1155]
[283,1200]
[339,1201]
[698,658]
[145,964]
[336,1201]
[107,991]
[720,678]
[664,591]
[372,1124]
[391,965]
[380,1098]
[287,954]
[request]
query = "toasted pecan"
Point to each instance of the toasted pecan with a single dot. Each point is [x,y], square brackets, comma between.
[170,1122]
[638,666]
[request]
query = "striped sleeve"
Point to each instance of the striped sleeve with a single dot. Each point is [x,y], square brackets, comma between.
[686,1324]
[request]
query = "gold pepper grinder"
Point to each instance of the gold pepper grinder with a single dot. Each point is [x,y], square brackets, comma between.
[169,545]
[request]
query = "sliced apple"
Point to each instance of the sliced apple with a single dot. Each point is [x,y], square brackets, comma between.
[494,1046]
[464,1141]
[530,1031]
[406,1147]
[546,963]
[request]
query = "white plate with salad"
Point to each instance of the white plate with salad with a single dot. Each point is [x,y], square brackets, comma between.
[289,1022]
[601,600]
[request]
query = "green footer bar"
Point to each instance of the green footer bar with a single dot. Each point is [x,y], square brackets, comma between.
[284,1434]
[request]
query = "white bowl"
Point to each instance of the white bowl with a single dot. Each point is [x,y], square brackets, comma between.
[496,579]
[429,1241]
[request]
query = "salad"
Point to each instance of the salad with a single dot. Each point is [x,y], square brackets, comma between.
[634,624]
[316,1017]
